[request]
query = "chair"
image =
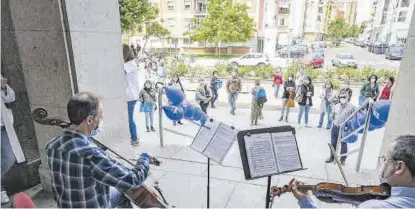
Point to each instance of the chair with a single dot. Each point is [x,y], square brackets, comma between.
[22,200]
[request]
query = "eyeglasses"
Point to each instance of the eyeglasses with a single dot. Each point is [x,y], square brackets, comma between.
[383,160]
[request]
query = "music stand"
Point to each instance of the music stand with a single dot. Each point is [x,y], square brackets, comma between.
[269,151]
[213,140]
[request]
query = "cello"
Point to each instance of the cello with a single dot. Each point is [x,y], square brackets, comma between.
[337,193]
[143,197]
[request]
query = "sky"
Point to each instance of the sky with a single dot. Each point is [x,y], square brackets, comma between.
[364,9]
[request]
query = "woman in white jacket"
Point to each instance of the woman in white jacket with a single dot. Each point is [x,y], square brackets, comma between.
[326,95]
[11,150]
[132,89]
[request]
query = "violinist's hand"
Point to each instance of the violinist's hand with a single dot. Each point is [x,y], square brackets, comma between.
[293,188]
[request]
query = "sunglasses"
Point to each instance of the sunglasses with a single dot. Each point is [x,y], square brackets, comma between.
[343,97]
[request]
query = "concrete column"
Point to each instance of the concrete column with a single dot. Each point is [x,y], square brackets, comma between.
[51,50]
[401,117]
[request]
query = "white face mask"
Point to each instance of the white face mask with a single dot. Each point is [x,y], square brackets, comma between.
[290,78]
[307,82]
[233,74]
[148,86]
[343,100]
[99,129]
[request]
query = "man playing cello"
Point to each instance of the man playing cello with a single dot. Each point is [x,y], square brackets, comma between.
[83,175]
[397,169]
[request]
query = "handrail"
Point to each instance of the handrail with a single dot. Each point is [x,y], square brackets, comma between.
[367,105]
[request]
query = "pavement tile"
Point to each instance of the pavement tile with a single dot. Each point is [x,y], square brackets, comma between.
[182,167]
[185,191]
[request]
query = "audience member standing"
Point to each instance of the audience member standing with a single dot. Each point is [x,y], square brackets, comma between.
[233,87]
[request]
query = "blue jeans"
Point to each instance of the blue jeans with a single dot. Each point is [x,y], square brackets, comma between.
[276,90]
[149,117]
[214,95]
[131,122]
[334,137]
[232,97]
[328,111]
[303,109]
[117,199]
[7,156]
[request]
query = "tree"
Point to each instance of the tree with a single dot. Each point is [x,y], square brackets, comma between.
[337,29]
[154,29]
[354,31]
[226,21]
[133,14]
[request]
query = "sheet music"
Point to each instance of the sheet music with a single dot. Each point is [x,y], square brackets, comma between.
[219,145]
[286,151]
[204,136]
[260,154]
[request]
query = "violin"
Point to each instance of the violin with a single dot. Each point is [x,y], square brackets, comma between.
[337,193]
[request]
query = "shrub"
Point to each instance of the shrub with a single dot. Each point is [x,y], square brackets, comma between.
[246,71]
[179,69]
[336,83]
[223,69]
[314,73]
[264,72]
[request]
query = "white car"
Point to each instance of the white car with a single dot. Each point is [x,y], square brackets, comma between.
[344,60]
[251,59]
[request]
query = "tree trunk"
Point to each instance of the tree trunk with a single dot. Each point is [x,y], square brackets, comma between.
[145,43]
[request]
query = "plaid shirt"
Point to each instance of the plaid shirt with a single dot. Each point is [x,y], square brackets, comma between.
[82,173]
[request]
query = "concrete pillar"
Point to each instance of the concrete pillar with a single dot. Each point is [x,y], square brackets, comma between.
[51,50]
[401,117]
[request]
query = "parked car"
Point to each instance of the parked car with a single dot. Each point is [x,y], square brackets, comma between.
[344,60]
[251,59]
[292,52]
[319,51]
[314,60]
[394,52]
[379,48]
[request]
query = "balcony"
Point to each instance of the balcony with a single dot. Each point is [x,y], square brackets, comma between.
[200,9]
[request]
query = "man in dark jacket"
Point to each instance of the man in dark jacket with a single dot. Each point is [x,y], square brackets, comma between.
[305,100]
[289,91]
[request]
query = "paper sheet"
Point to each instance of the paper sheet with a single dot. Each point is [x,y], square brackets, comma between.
[204,136]
[260,154]
[221,142]
[286,151]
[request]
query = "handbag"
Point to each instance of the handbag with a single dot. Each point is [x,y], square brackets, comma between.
[145,107]
[290,103]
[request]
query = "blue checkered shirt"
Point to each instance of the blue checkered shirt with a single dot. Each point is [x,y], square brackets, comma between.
[82,173]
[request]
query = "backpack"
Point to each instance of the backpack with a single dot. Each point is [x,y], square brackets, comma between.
[261,97]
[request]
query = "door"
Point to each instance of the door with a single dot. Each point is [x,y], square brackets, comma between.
[245,60]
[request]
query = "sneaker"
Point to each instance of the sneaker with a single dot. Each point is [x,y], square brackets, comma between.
[180,122]
[174,123]
[329,160]
[213,106]
[232,112]
[286,120]
[280,119]
[319,126]
[328,128]
[152,129]
[135,143]
[307,126]
[148,129]
[342,162]
[4,198]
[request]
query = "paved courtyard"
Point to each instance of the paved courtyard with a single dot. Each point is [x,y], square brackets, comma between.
[182,176]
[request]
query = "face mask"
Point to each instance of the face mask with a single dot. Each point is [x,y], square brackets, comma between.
[233,74]
[215,75]
[328,86]
[372,80]
[96,131]
[307,82]
[343,100]
[148,86]
[290,78]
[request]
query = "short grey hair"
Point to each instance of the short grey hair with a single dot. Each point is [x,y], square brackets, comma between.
[404,150]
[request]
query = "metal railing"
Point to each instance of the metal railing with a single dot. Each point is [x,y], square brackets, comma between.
[368,106]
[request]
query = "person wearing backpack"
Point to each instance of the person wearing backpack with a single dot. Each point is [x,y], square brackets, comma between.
[259,97]
[304,99]
[147,98]
[203,96]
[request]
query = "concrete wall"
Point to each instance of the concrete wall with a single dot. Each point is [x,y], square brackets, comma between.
[49,52]
[401,116]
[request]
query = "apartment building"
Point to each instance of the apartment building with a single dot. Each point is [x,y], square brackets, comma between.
[314,19]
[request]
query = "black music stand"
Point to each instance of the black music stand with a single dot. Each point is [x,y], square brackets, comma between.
[263,143]
[206,144]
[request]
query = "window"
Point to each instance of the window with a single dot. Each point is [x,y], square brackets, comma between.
[282,22]
[320,10]
[170,22]
[187,4]
[402,16]
[318,18]
[170,5]
[405,3]
[187,41]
